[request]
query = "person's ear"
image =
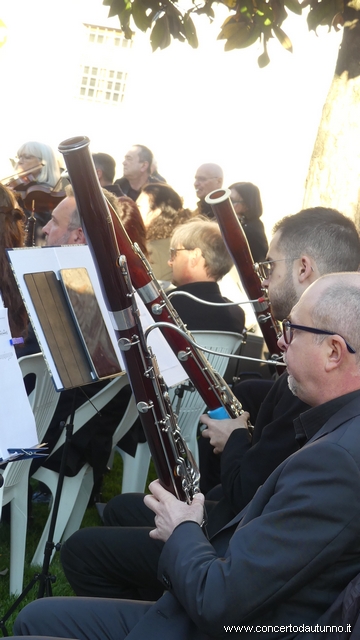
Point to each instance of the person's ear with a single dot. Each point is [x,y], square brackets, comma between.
[79,236]
[305,270]
[196,255]
[335,352]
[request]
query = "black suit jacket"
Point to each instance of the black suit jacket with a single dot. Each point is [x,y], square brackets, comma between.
[204,318]
[282,561]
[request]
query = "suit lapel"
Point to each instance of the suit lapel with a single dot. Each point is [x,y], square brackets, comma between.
[265,491]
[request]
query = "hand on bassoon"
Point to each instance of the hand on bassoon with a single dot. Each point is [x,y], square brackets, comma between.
[170,512]
[219,431]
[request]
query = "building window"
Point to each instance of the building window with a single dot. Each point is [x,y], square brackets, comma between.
[99,83]
[107,86]
[108,37]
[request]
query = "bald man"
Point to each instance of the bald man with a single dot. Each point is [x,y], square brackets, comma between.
[64,227]
[208,177]
[282,561]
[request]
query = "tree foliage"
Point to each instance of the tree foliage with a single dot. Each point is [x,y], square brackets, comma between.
[248,21]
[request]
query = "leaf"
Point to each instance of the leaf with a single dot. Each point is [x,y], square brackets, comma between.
[190,31]
[265,9]
[116,7]
[124,19]
[142,21]
[176,26]
[237,39]
[263,60]
[229,3]
[294,6]
[245,37]
[206,9]
[324,13]
[160,35]
[283,38]
[230,18]
[279,12]
[228,30]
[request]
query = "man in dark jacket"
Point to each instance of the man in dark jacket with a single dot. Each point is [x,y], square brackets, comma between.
[199,259]
[280,563]
[122,562]
[137,171]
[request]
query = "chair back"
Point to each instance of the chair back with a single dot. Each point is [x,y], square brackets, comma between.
[76,489]
[136,468]
[43,400]
[192,406]
[44,397]
[91,407]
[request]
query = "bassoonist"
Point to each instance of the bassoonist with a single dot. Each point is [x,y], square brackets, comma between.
[90,201]
[238,247]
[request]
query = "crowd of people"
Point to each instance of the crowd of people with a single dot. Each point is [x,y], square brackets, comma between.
[282,541]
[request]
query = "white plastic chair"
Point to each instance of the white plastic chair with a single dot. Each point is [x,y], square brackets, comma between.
[192,406]
[76,490]
[43,400]
[135,469]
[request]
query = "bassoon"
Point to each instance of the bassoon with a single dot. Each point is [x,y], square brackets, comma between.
[238,247]
[174,463]
[92,206]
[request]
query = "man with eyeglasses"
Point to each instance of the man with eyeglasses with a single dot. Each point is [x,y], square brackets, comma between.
[279,565]
[199,259]
[208,177]
[103,561]
[304,246]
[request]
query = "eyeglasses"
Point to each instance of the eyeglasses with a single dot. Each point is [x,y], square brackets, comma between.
[237,201]
[25,156]
[173,252]
[265,269]
[205,179]
[288,333]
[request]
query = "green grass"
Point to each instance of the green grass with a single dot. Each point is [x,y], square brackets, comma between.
[111,487]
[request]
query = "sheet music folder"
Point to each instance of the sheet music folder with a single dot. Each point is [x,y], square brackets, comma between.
[73,326]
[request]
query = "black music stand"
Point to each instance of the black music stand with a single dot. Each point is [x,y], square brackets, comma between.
[78,363]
